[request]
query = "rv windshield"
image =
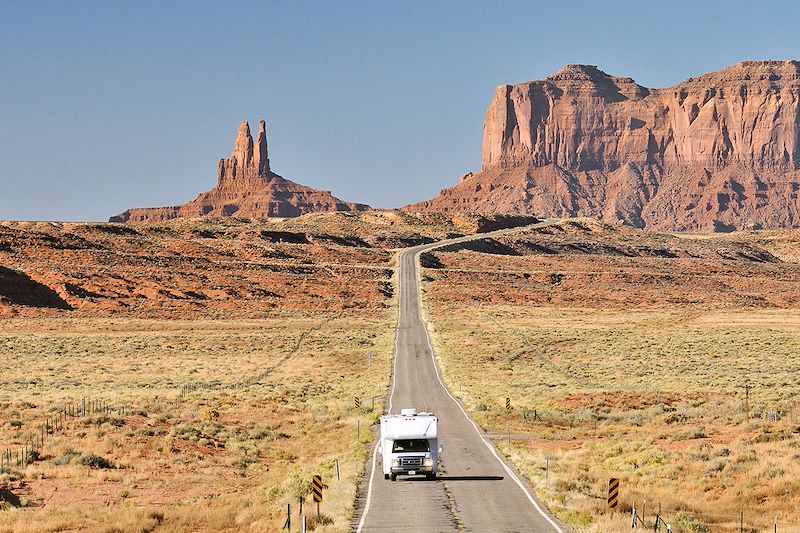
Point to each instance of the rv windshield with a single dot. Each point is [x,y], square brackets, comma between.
[411,445]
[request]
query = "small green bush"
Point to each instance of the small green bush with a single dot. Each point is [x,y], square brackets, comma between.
[689,523]
[66,458]
[94,461]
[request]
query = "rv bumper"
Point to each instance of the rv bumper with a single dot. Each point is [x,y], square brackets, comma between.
[405,470]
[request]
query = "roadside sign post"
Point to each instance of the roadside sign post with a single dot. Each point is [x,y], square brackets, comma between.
[613,492]
[508,404]
[316,490]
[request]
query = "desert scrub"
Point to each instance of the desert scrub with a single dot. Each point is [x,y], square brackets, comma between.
[273,409]
[66,458]
[696,433]
[654,397]
[686,522]
[187,432]
[94,461]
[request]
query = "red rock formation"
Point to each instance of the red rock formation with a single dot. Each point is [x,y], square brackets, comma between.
[246,187]
[718,152]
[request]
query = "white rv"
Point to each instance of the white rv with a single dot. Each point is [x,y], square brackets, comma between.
[409,444]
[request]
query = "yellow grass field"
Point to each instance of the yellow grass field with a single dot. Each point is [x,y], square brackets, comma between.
[653,397]
[275,407]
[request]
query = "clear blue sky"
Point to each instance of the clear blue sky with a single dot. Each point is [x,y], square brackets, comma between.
[110,105]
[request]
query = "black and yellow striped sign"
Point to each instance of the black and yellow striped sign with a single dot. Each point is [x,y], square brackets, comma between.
[357,402]
[508,404]
[613,492]
[316,488]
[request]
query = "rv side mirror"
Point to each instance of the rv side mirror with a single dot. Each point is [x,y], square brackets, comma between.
[441,449]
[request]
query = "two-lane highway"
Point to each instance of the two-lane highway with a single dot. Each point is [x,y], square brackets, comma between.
[476,491]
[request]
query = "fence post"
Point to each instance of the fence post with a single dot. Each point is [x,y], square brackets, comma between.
[644,504]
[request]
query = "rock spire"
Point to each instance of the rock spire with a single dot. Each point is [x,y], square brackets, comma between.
[246,187]
[246,162]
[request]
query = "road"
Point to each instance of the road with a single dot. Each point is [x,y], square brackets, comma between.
[476,491]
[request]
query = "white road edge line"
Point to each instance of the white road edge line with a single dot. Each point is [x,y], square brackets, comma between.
[477,430]
[391,393]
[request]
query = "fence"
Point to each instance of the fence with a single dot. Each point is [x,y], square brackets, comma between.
[685,521]
[30,451]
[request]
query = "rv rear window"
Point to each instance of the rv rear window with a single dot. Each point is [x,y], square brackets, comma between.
[411,445]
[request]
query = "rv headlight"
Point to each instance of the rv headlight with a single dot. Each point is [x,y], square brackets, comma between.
[395,462]
[428,461]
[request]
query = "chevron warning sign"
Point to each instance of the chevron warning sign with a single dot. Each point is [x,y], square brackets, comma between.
[316,488]
[357,402]
[508,404]
[613,492]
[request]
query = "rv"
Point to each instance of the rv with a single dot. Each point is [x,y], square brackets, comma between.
[409,444]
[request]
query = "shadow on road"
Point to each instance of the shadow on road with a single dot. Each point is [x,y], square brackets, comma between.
[452,478]
[470,478]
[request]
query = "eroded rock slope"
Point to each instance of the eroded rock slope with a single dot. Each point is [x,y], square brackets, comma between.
[718,152]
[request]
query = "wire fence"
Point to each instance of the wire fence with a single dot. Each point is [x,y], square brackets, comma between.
[30,449]
[688,521]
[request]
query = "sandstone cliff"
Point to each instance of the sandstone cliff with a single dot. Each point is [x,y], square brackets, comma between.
[246,187]
[717,152]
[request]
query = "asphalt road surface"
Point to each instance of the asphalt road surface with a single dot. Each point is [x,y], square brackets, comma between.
[476,490]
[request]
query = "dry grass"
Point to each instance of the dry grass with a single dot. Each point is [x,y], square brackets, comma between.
[626,354]
[273,317]
[655,398]
[285,414]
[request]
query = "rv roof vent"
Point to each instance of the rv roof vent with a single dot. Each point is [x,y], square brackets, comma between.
[408,412]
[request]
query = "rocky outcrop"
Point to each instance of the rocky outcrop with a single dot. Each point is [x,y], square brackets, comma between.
[246,187]
[717,152]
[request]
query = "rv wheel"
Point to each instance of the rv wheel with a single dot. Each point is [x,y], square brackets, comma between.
[386,476]
[393,477]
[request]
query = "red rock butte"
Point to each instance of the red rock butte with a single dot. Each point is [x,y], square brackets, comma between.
[246,187]
[718,152]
